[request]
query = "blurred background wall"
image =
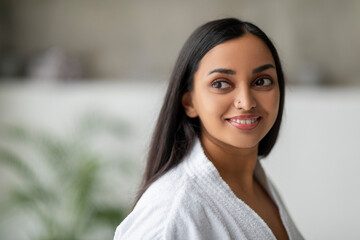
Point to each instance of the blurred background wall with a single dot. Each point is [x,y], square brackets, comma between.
[82,81]
[124,39]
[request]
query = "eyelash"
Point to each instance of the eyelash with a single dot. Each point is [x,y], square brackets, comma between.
[264,78]
[220,81]
[270,83]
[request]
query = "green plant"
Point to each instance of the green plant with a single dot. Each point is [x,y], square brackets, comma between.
[63,183]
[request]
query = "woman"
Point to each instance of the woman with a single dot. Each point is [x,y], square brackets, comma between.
[221,114]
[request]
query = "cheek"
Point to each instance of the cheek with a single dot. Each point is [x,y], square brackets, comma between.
[210,107]
[268,102]
[271,104]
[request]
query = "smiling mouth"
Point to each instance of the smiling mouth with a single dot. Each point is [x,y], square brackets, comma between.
[244,124]
[249,121]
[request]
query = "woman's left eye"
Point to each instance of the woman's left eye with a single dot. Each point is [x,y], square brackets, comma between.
[263,82]
[220,84]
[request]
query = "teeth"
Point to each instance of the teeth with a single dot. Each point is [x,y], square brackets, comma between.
[244,121]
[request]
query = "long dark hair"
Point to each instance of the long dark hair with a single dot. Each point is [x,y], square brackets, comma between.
[175,133]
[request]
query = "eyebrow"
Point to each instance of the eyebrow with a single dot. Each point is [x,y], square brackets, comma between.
[222,70]
[232,72]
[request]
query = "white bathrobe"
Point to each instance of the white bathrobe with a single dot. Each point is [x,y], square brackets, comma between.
[193,202]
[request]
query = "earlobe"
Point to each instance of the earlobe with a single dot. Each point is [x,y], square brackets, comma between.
[188,105]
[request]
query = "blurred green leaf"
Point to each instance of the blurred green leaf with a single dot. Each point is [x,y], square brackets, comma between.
[73,181]
[16,163]
[84,183]
[31,195]
[14,132]
[111,215]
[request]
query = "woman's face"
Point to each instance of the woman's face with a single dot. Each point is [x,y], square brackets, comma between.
[236,92]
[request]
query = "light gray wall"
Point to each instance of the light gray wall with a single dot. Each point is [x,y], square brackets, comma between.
[141,39]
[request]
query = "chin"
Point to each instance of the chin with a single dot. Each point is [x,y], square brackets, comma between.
[246,146]
[244,142]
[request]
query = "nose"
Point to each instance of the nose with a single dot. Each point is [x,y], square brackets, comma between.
[245,99]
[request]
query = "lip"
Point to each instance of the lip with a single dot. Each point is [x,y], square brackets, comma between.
[243,126]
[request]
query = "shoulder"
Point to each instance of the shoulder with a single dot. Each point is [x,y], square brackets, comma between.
[180,205]
[169,207]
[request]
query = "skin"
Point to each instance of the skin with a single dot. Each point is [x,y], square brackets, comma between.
[237,77]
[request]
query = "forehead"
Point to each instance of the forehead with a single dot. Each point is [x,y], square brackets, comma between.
[243,53]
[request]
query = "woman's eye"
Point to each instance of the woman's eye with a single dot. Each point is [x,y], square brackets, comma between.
[263,82]
[220,84]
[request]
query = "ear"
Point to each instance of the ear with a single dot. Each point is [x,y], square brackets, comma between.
[188,105]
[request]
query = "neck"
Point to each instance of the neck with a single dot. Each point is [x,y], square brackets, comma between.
[236,166]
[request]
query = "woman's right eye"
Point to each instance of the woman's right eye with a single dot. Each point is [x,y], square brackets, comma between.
[220,84]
